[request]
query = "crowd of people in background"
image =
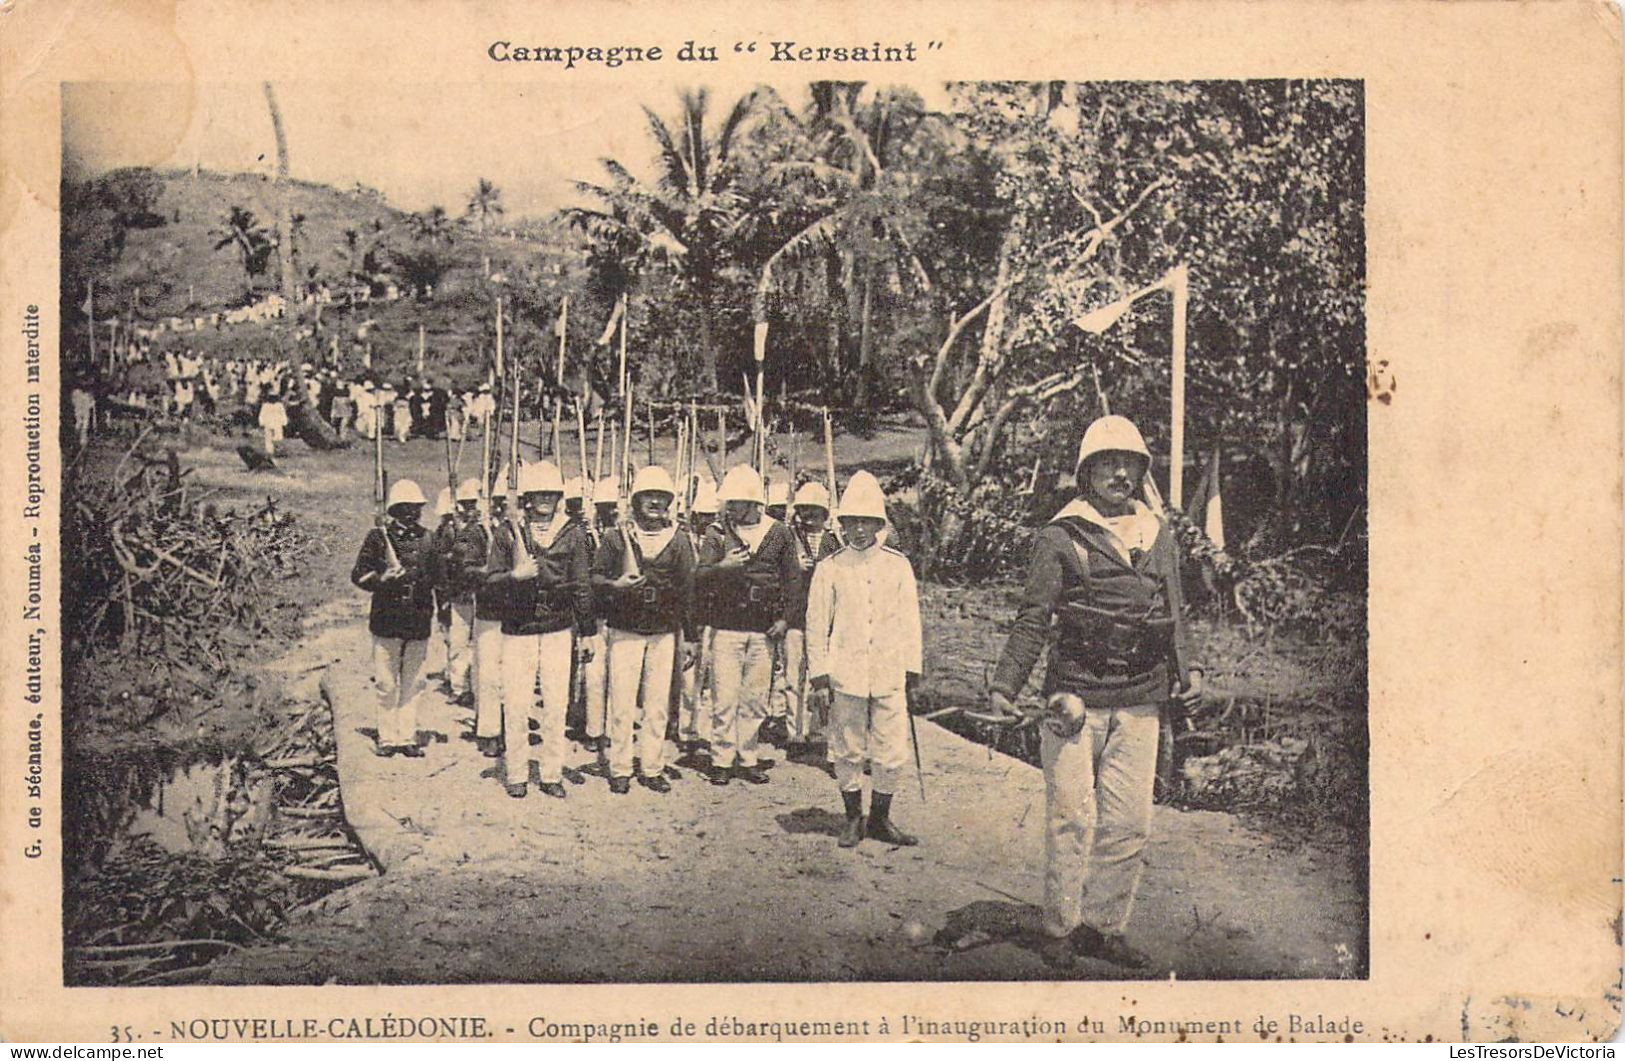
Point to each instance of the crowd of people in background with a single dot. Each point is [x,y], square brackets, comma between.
[260,392]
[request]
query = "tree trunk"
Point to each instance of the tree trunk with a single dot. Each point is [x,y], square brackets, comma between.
[708,350]
[865,331]
[284,225]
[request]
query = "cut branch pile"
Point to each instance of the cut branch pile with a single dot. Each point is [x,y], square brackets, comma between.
[157,567]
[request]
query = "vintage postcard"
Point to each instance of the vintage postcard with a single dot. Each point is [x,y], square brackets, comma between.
[722,522]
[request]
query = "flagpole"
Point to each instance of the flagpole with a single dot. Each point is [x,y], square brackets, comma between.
[1179,286]
[761,417]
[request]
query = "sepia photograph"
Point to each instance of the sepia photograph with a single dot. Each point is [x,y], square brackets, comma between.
[676,532]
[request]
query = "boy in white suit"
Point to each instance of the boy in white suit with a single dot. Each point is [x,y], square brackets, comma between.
[863,655]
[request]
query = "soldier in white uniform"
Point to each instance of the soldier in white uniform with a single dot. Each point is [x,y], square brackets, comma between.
[863,654]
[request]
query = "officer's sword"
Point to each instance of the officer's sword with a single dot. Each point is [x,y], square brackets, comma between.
[914,738]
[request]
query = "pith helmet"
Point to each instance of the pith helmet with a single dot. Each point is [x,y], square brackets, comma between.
[778,494]
[705,497]
[863,497]
[540,478]
[442,503]
[468,490]
[1112,434]
[607,491]
[574,488]
[814,494]
[405,492]
[742,484]
[652,479]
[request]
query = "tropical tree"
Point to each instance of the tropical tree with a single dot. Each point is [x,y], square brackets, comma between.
[1104,187]
[484,203]
[858,160]
[685,215]
[432,225]
[253,241]
[284,222]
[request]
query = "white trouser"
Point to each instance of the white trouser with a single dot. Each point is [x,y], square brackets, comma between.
[525,657]
[397,671]
[741,670]
[488,677]
[639,699]
[459,647]
[595,686]
[871,729]
[696,720]
[1097,794]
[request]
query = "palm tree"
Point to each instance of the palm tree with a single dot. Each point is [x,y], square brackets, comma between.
[284,226]
[484,203]
[861,241]
[252,240]
[432,225]
[686,214]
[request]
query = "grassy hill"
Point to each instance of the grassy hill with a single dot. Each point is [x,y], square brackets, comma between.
[177,271]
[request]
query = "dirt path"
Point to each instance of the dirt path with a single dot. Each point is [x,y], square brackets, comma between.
[746,883]
[736,883]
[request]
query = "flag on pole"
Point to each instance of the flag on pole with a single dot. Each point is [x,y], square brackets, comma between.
[614,319]
[561,324]
[1206,509]
[761,341]
[1098,320]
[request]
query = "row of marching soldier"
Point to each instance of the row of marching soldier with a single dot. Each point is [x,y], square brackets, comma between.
[657,631]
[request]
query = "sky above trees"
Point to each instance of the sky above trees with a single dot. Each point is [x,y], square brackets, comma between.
[420,145]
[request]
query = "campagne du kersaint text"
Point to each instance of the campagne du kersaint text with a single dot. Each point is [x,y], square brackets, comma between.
[570,56]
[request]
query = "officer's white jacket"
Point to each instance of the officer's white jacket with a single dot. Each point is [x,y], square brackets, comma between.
[863,621]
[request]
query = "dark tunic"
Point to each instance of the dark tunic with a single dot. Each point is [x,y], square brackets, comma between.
[404,607]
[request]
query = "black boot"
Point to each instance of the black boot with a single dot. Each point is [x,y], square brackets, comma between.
[853,832]
[880,824]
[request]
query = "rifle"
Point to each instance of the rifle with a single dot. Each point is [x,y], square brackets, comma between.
[380,493]
[829,463]
[581,455]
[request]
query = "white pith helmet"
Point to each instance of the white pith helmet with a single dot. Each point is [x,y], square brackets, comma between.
[468,490]
[540,478]
[812,493]
[742,484]
[653,479]
[442,503]
[607,492]
[863,497]
[1112,434]
[405,492]
[574,488]
[705,497]
[778,494]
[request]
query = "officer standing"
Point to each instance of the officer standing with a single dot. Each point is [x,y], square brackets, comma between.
[748,572]
[646,576]
[395,565]
[545,568]
[1103,593]
[863,656]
